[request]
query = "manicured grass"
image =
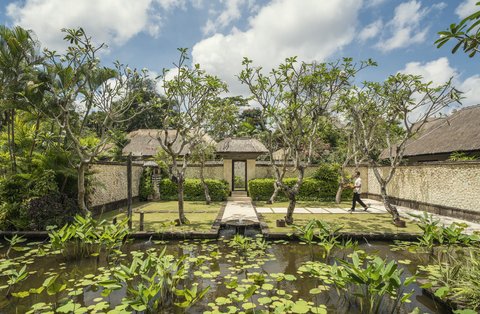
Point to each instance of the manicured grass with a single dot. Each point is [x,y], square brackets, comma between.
[194,206]
[160,216]
[310,204]
[355,223]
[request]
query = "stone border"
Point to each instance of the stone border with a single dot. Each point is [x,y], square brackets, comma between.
[453,212]
[96,210]
[217,224]
[362,237]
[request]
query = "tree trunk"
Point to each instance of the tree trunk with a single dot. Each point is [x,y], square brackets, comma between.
[338,196]
[383,191]
[275,193]
[35,134]
[208,199]
[14,155]
[388,205]
[291,207]
[81,187]
[181,212]
[129,191]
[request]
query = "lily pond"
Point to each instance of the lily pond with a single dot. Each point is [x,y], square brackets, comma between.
[239,274]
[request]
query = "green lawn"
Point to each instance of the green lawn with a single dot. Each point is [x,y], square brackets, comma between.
[355,223]
[310,204]
[160,216]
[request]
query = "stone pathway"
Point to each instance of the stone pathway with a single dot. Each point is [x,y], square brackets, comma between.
[374,207]
[240,208]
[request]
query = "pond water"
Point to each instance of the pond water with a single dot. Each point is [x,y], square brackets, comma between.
[213,263]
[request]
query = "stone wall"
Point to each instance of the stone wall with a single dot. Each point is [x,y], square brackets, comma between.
[212,170]
[264,170]
[446,187]
[110,182]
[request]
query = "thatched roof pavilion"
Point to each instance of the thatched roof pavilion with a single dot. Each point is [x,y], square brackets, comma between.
[238,148]
[144,142]
[459,132]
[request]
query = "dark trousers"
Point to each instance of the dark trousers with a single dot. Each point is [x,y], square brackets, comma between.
[356,198]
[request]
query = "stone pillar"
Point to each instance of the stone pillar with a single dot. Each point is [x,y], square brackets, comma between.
[251,164]
[227,172]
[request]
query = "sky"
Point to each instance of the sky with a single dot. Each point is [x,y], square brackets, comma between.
[398,34]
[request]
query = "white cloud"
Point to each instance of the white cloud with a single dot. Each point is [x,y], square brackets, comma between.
[405,28]
[231,13]
[374,3]
[309,29]
[470,90]
[466,8]
[109,21]
[371,30]
[439,71]
[171,4]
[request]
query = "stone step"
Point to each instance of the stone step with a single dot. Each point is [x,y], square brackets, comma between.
[239,193]
[239,198]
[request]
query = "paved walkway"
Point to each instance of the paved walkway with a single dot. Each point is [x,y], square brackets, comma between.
[374,207]
[241,210]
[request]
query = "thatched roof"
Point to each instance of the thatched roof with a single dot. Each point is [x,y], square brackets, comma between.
[241,147]
[144,142]
[458,132]
[280,154]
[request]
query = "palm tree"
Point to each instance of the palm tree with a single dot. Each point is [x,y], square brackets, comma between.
[18,57]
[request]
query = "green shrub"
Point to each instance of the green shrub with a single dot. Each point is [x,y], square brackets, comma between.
[312,189]
[13,216]
[18,191]
[328,173]
[55,209]
[193,190]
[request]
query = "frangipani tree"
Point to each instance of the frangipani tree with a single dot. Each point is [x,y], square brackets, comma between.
[76,86]
[190,98]
[293,98]
[386,116]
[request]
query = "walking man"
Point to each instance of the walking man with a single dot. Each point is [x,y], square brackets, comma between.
[356,193]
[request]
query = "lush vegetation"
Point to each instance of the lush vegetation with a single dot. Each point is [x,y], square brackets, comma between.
[322,186]
[194,190]
[312,189]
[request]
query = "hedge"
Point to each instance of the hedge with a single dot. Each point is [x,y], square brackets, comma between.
[311,190]
[193,190]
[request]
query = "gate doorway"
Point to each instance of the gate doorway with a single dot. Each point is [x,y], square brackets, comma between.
[239,175]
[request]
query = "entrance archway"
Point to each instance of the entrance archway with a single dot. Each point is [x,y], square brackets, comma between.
[239,175]
[239,155]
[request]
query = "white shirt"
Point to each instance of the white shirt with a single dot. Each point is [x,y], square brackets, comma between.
[358,185]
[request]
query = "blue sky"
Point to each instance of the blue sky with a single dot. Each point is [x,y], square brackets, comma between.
[399,35]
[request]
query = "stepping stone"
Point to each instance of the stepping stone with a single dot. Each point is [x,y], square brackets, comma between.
[336,210]
[300,210]
[264,210]
[279,210]
[374,210]
[318,210]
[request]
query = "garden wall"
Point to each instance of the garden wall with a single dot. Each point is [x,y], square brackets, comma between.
[212,170]
[264,170]
[447,188]
[110,184]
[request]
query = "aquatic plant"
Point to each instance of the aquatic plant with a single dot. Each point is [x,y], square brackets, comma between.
[457,280]
[370,281]
[87,236]
[12,244]
[319,231]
